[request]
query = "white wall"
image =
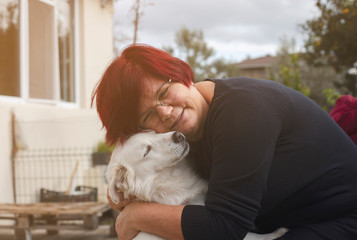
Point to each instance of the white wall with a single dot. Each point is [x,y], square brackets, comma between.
[5,154]
[48,125]
[96,26]
[43,126]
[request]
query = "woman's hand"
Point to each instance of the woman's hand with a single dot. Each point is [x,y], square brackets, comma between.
[124,224]
[155,218]
[122,201]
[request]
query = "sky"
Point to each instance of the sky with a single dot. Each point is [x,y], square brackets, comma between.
[235,29]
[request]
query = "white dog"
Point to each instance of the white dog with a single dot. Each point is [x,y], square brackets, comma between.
[152,167]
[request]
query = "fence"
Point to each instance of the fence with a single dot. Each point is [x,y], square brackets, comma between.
[51,169]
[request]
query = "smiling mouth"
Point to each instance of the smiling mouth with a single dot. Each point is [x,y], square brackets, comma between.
[177,120]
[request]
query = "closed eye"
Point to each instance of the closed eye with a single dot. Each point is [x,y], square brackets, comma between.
[148,115]
[163,93]
[148,149]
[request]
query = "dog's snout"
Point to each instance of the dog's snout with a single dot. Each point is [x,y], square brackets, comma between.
[178,137]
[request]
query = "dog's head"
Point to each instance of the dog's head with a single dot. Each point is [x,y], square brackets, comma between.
[134,164]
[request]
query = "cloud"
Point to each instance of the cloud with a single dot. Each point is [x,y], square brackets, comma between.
[246,27]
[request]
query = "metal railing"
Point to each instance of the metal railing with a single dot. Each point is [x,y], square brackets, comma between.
[52,169]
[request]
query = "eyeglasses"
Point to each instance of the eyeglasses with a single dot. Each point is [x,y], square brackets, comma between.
[151,116]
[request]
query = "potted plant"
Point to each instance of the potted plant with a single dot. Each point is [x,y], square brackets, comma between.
[101,154]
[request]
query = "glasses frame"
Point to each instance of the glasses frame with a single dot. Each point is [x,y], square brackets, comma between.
[160,98]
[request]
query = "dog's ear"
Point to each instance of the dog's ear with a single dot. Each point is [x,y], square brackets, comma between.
[118,182]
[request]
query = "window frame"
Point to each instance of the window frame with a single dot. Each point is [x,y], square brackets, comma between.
[24,63]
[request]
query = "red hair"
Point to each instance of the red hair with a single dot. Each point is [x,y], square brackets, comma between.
[117,93]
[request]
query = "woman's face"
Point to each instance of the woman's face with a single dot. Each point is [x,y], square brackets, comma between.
[171,106]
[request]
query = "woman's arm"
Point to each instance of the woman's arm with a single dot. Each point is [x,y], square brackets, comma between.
[159,219]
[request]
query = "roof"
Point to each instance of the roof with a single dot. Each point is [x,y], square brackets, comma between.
[261,62]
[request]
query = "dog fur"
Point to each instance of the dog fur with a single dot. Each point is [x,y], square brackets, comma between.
[153,167]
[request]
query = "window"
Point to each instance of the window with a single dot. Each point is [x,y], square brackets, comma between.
[66,50]
[47,40]
[42,64]
[9,48]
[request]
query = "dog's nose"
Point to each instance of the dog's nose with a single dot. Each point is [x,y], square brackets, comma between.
[178,137]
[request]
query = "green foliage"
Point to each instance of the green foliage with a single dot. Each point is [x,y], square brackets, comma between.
[221,68]
[331,96]
[318,79]
[286,68]
[192,48]
[102,147]
[332,36]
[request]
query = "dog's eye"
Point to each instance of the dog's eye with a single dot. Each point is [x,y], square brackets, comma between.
[148,149]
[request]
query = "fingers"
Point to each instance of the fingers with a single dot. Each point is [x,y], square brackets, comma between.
[123,226]
[122,201]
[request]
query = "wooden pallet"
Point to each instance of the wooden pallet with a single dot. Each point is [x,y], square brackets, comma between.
[50,215]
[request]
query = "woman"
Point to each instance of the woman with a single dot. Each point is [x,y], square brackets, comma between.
[271,156]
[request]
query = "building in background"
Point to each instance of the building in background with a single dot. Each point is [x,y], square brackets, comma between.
[52,54]
[256,67]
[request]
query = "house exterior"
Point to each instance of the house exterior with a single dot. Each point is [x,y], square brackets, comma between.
[52,53]
[256,67]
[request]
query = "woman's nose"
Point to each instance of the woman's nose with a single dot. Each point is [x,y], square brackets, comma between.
[164,111]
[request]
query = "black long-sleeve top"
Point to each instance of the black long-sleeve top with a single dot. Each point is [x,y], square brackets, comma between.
[273,158]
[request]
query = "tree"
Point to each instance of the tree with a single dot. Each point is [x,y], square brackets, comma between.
[192,48]
[138,13]
[320,80]
[221,68]
[138,9]
[332,37]
[286,67]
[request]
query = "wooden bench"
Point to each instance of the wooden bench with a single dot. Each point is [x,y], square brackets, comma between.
[49,216]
